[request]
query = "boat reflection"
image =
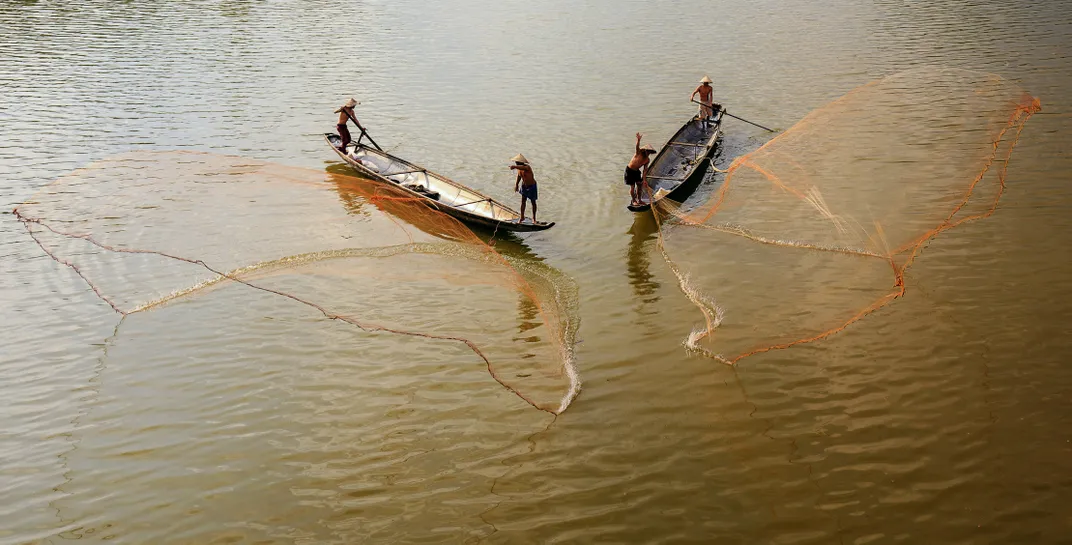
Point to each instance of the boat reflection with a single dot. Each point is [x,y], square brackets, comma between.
[528,316]
[638,257]
[354,192]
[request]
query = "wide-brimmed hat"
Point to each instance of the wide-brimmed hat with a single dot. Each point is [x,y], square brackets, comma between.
[520,159]
[705,80]
[648,148]
[351,103]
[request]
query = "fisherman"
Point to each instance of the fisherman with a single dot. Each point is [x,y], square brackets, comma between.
[346,113]
[634,178]
[525,184]
[707,94]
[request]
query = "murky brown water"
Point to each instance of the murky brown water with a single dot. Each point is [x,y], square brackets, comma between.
[943,418]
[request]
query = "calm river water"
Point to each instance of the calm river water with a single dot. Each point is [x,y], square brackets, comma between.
[944,418]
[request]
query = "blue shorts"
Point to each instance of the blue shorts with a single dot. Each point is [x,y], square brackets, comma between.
[529,192]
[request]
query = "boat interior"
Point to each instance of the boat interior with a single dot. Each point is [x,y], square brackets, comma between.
[681,155]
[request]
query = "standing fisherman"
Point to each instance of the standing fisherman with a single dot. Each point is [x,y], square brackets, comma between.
[527,183]
[346,113]
[634,178]
[707,95]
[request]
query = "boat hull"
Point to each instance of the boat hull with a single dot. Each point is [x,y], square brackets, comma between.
[433,190]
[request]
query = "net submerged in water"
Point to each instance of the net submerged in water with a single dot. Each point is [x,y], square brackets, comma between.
[816,229]
[150,229]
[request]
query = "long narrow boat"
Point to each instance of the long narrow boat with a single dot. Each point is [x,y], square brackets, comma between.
[680,165]
[438,192]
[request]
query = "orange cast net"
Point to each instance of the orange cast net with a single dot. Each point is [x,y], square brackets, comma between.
[156,228]
[816,229]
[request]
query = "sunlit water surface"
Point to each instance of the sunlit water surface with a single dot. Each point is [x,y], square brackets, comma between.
[943,418]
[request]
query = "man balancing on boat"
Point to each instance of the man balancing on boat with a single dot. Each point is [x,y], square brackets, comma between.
[707,100]
[634,178]
[346,113]
[525,184]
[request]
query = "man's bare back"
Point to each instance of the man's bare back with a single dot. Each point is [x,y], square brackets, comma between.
[640,159]
[525,184]
[642,156]
[345,114]
[524,174]
[634,178]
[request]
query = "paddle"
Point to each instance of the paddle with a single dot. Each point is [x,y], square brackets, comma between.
[365,134]
[735,117]
[488,199]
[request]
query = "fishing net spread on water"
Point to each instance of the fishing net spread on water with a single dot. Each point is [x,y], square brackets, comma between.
[816,229]
[150,229]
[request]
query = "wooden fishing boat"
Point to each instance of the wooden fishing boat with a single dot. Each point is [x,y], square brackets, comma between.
[678,168]
[436,191]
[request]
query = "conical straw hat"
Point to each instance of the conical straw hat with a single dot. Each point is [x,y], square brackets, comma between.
[349,104]
[705,80]
[647,147]
[520,159]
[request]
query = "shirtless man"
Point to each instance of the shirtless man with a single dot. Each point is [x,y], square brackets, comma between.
[707,94]
[527,183]
[346,113]
[634,178]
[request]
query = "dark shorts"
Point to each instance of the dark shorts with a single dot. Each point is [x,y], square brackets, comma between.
[344,133]
[632,177]
[529,192]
